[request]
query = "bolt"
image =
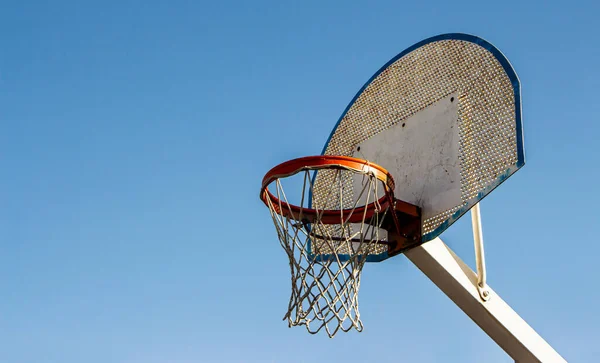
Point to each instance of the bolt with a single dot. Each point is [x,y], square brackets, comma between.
[485,294]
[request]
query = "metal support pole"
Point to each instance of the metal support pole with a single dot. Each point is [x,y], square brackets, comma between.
[479,253]
[494,317]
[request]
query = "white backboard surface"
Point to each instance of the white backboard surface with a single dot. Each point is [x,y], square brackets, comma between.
[421,153]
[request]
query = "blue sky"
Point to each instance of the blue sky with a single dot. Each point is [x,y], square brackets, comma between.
[134,136]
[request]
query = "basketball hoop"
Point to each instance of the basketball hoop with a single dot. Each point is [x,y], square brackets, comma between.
[328,242]
[443,117]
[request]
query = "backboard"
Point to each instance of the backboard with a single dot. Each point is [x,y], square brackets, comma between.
[444,118]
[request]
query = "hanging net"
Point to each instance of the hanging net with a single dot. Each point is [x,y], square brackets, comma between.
[328,242]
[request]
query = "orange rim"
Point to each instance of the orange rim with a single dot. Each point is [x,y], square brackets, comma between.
[327,216]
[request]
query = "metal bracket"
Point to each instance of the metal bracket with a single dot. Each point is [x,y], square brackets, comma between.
[409,223]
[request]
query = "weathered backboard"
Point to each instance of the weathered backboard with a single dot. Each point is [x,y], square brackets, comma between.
[444,118]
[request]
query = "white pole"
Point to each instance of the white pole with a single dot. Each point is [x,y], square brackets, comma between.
[494,317]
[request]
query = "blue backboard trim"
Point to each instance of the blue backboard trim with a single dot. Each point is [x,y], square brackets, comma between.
[519,127]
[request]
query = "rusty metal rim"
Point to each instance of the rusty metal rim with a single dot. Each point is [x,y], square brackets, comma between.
[328,216]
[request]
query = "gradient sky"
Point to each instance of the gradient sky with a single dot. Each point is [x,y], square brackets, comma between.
[134,136]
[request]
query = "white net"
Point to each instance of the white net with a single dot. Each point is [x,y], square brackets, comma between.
[326,260]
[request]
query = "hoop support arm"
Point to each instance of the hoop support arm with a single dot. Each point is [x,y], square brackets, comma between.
[495,317]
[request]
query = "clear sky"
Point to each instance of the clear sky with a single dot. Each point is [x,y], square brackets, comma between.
[134,136]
